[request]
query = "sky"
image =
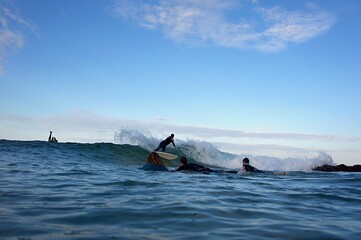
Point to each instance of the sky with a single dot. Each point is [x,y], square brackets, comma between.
[264,77]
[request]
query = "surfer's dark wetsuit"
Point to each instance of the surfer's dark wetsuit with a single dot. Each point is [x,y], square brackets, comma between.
[249,168]
[52,139]
[163,144]
[193,167]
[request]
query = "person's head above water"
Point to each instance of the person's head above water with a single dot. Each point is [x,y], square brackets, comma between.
[183,160]
[154,158]
[245,161]
[172,135]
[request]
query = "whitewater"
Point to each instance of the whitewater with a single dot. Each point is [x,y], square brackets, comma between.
[207,154]
[98,191]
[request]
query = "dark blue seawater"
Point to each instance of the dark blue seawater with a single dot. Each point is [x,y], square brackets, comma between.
[97,191]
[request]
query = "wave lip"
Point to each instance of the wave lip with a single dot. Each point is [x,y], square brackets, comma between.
[208,154]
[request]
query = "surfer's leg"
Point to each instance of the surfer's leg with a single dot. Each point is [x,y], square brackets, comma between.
[159,147]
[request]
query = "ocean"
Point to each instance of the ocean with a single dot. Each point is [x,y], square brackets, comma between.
[98,191]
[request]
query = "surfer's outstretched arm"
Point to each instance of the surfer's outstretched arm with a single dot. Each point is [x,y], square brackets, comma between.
[49,139]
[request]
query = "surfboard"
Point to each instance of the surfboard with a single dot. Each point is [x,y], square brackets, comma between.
[167,156]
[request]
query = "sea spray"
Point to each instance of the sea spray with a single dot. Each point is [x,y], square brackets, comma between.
[208,154]
[291,163]
[138,137]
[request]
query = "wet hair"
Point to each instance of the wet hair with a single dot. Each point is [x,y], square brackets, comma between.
[245,160]
[172,135]
[183,160]
[154,158]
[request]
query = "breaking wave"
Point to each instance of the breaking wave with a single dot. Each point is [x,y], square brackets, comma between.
[206,153]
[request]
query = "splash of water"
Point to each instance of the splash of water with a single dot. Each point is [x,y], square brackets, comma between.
[138,137]
[206,153]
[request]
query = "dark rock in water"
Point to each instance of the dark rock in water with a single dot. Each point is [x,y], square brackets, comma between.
[338,168]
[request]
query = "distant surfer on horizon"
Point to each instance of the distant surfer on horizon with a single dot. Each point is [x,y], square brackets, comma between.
[163,144]
[52,139]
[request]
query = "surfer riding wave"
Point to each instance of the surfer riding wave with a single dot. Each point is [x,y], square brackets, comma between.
[163,144]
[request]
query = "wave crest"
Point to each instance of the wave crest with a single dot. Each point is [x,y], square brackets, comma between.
[206,153]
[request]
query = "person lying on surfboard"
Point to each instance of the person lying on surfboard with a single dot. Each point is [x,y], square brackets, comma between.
[248,168]
[192,167]
[163,144]
[154,163]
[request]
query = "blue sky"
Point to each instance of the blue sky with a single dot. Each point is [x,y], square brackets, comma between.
[262,77]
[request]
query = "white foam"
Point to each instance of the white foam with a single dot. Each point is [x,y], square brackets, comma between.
[206,153]
[138,137]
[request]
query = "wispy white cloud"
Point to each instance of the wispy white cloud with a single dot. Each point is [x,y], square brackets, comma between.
[200,22]
[12,26]
[204,132]
[83,126]
[292,27]
[83,121]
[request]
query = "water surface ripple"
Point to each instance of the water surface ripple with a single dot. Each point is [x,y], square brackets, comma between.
[54,192]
